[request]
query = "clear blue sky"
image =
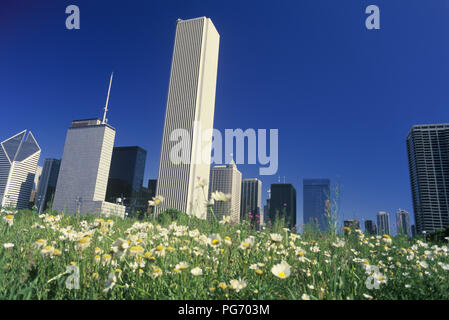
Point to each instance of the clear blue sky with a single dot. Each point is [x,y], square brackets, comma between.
[342,97]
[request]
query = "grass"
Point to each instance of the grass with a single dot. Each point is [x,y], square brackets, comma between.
[236,261]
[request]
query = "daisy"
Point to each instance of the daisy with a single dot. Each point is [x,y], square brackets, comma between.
[281,270]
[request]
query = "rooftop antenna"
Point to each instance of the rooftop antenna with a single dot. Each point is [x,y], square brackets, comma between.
[279,179]
[107,100]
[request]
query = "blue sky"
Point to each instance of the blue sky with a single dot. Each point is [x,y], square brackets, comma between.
[342,97]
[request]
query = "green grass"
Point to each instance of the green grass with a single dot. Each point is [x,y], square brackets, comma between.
[322,266]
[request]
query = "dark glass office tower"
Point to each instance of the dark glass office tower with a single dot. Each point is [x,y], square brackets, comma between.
[126,174]
[283,203]
[428,156]
[47,185]
[316,192]
[152,183]
[370,227]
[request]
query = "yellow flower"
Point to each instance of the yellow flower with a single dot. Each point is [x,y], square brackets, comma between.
[222,285]
[136,250]
[95,275]
[159,247]
[258,271]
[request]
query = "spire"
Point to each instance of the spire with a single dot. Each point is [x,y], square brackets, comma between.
[107,100]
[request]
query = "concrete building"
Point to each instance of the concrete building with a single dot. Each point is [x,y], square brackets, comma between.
[251,200]
[84,172]
[428,157]
[383,222]
[227,179]
[187,136]
[47,186]
[19,156]
[370,227]
[403,223]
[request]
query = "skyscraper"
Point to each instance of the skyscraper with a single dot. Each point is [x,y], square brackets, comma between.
[316,192]
[283,203]
[126,174]
[84,172]
[251,202]
[189,118]
[383,222]
[18,162]
[227,179]
[47,185]
[370,227]
[403,223]
[428,156]
[37,179]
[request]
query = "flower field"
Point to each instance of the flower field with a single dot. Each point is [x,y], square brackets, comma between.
[88,257]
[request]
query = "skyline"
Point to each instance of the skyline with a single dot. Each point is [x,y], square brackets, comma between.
[370,183]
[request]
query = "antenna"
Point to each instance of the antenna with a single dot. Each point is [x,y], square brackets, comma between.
[107,100]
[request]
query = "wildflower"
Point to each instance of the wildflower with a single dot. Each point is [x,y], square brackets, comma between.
[9,219]
[237,285]
[367,296]
[136,250]
[387,239]
[225,219]
[196,271]
[259,272]
[228,241]
[281,270]
[247,243]
[222,285]
[83,243]
[423,264]
[47,251]
[97,259]
[214,240]
[275,237]
[106,259]
[119,247]
[182,266]
[110,282]
[444,266]
[8,245]
[220,196]
[156,201]
[156,272]
[305,297]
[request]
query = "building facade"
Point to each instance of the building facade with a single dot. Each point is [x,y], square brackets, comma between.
[283,204]
[126,174]
[186,142]
[84,172]
[383,222]
[403,223]
[428,156]
[226,179]
[47,186]
[315,194]
[370,227]
[19,156]
[251,201]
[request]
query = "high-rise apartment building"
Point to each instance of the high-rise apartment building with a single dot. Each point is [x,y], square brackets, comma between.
[315,193]
[47,186]
[37,179]
[84,172]
[428,156]
[251,202]
[383,222]
[226,179]
[283,203]
[126,174]
[403,223]
[186,142]
[19,156]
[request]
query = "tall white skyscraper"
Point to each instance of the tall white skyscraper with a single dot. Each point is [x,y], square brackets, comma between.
[189,118]
[227,179]
[403,223]
[383,222]
[18,162]
[84,171]
[251,201]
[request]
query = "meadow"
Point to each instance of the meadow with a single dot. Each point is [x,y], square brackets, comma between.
[52,256]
